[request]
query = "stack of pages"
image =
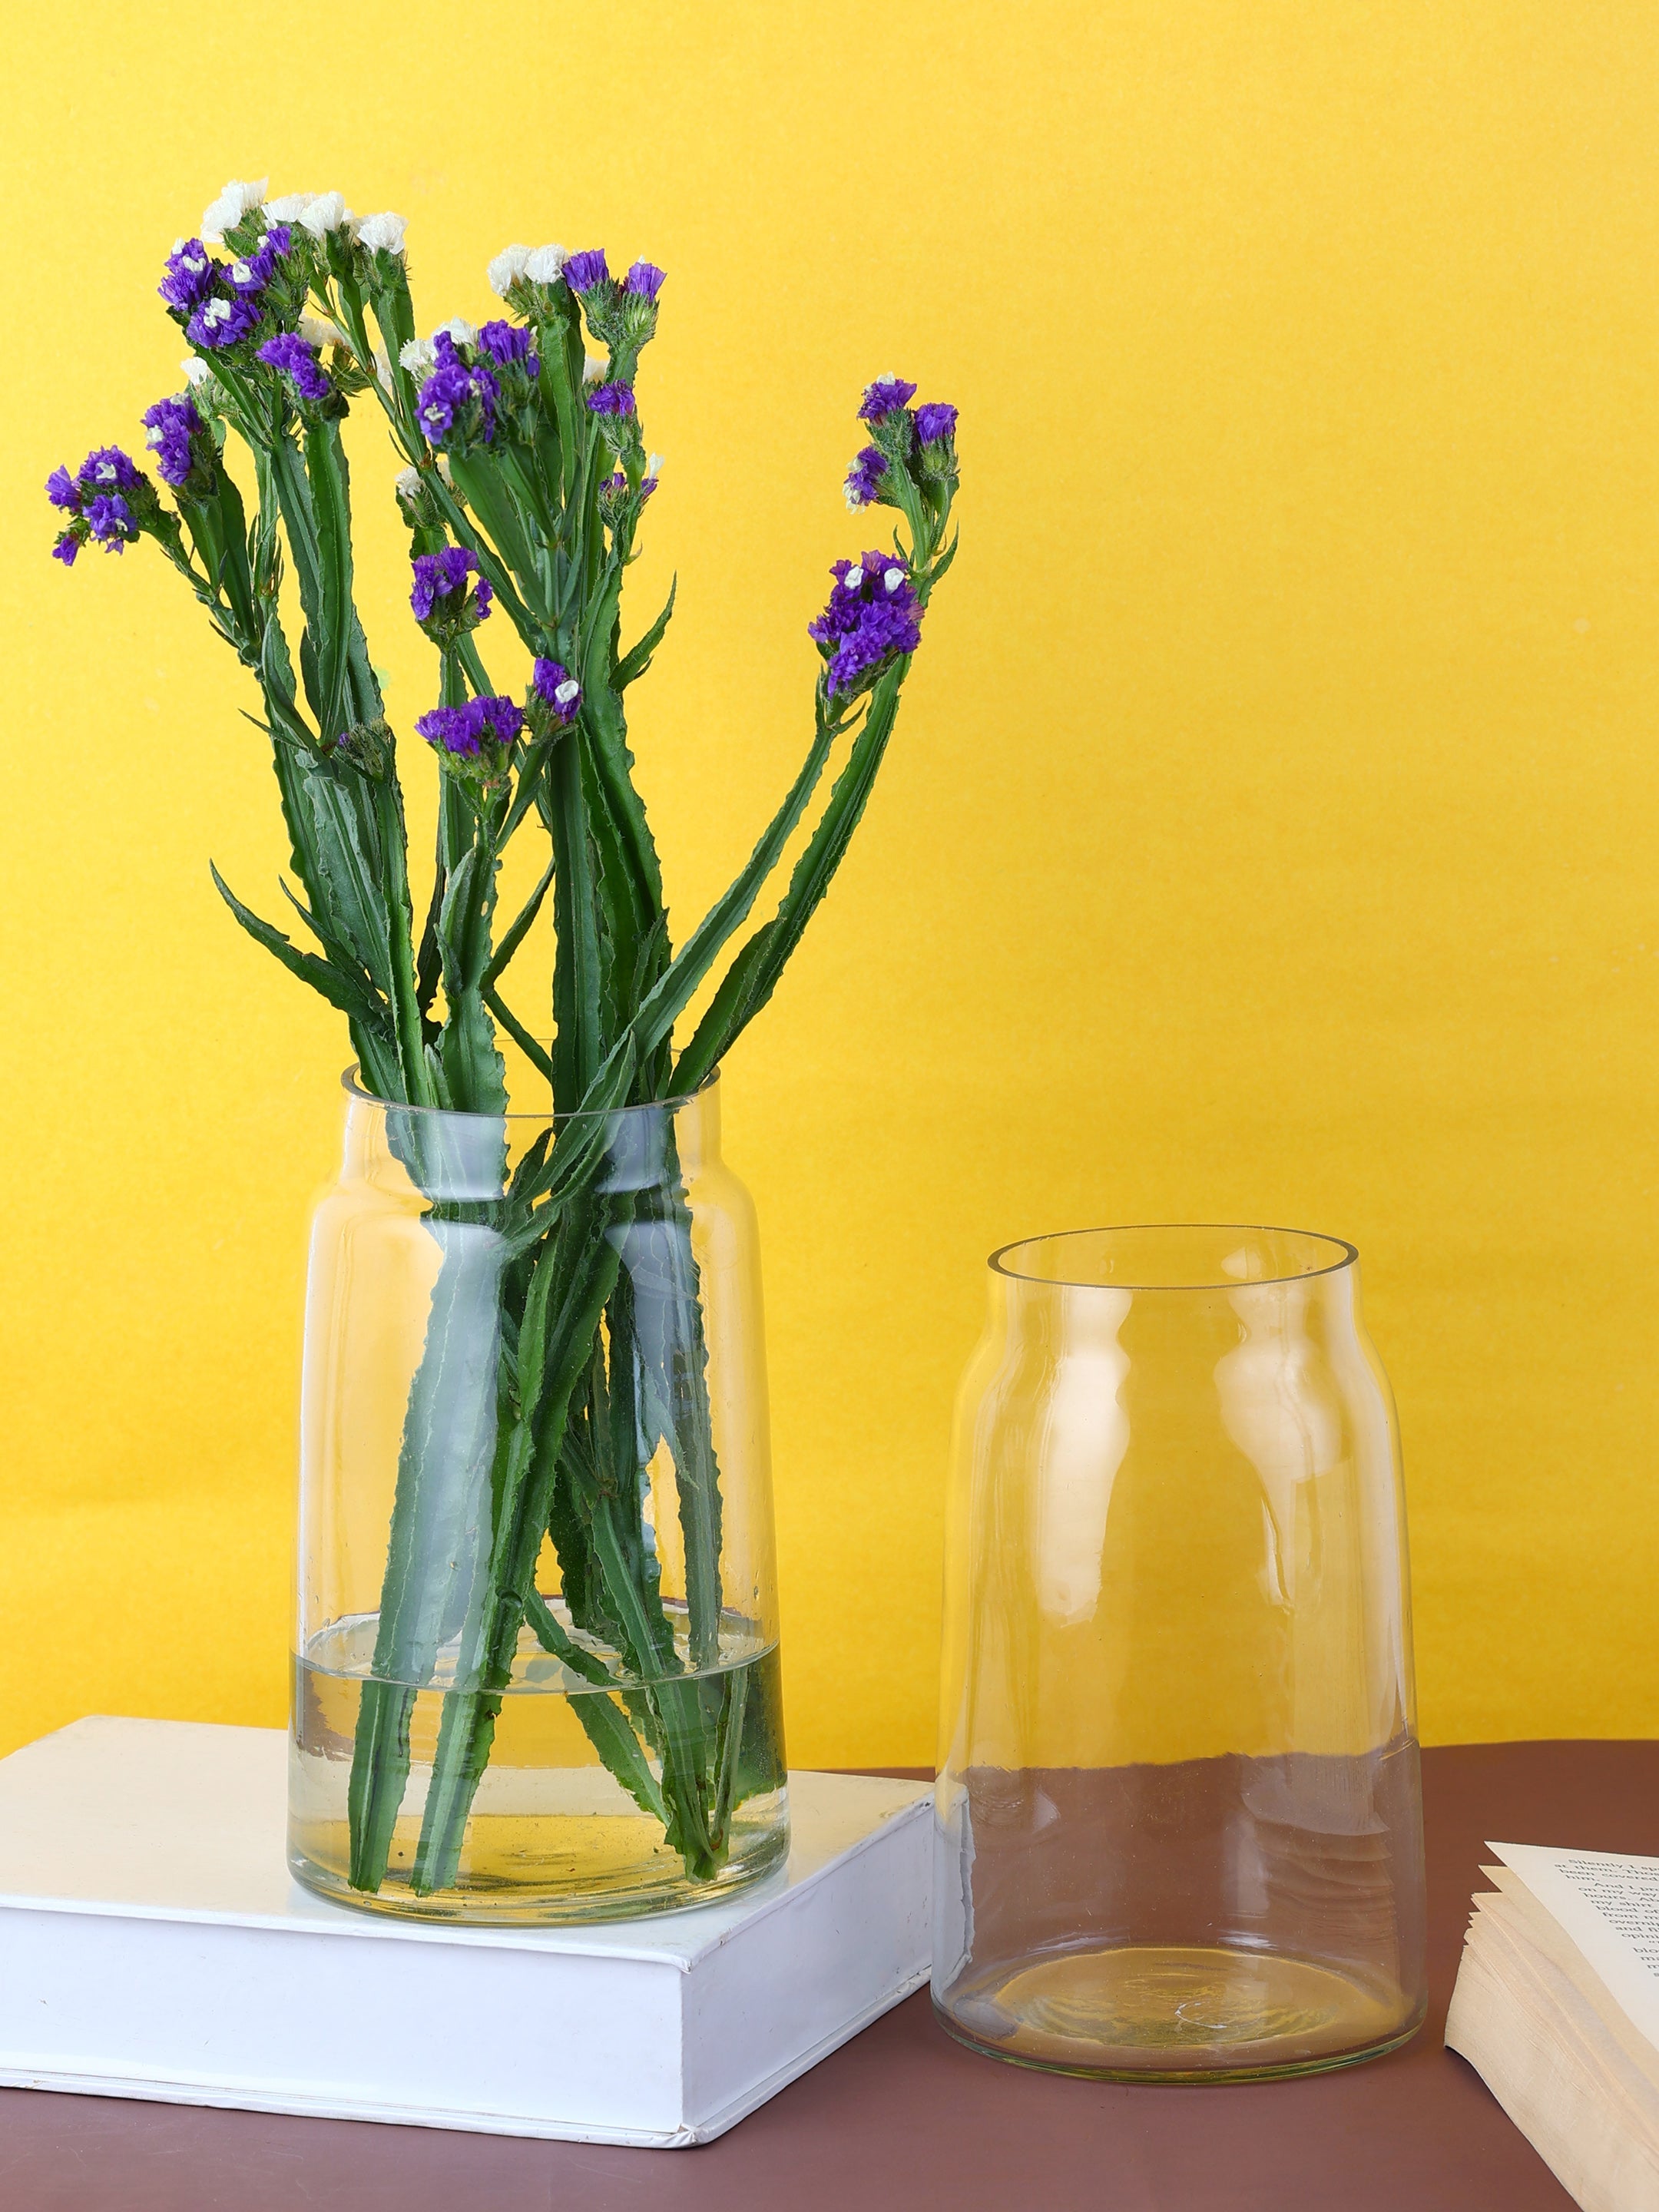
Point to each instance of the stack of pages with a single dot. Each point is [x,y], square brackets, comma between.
[1557,2008]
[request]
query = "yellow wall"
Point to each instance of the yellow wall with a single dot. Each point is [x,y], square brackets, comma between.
[1271,832]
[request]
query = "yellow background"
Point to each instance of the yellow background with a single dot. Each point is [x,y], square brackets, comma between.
[1272,831]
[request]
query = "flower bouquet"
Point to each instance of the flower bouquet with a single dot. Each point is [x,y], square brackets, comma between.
[560,1386]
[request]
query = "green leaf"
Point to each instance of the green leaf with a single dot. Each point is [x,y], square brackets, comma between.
[753,974]
[634,662]
[522,921]
[668,996]
[530,1046]
[339,989]
[336,620]
[352,906]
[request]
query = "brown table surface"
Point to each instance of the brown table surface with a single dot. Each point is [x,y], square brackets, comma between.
[903,2117]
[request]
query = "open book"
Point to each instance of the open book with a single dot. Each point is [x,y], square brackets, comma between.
[1557,2008]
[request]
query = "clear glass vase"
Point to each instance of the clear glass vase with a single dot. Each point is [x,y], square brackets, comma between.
[1178,1820]
[536,1671]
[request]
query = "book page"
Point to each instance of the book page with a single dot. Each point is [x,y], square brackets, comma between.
[1608,1905]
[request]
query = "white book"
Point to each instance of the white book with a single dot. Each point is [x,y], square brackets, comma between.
[153,1944]
[1557,2008]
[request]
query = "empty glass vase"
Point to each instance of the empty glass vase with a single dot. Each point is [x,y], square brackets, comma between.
[536,1672]
[1178,1823]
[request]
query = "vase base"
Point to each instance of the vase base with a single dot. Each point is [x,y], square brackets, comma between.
[548,1869]
[1178,2012]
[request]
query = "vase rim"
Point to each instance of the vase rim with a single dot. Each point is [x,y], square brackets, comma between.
[353,1089]
[1331,1255]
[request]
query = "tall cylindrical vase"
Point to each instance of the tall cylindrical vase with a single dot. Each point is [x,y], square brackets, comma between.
[536,1672]
[1178,1815]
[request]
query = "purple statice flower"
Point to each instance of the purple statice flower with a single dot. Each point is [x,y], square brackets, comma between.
[461,731]
[444,575]
[935,421]
[189,277]
[645,280]
[442,396]
[502,716]
[615,487]
[106,468]
[252,272]
[298,361]
[582,272]
[881,397]
[557,689]
[66,549]
[507,342]
[60,490]
[611,399]
[171,423]
[450,388]
[219,322]
[450,729]
[110,520]
[872,616]
[863,485]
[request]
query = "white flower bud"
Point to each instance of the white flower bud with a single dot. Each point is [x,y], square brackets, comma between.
[653,465]
[565,692]
[383,367]
[382,234]
[197,371]
[289,208]
[593,368]
[325,212]
[231,205]
[892,578]
[460,330]
[508,264]
[318,331]
[443,469]
[544,263]
[409,484]
[417,355]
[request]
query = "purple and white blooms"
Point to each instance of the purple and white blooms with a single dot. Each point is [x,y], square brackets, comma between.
[219,322]
[178,438]
[298,364]
[104,499]
[189,277]
[444,606]
[881,397]
[476,736]
[872,619]
[557,690]
[457,403]
[911,460]
[251,272]
[863,484]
